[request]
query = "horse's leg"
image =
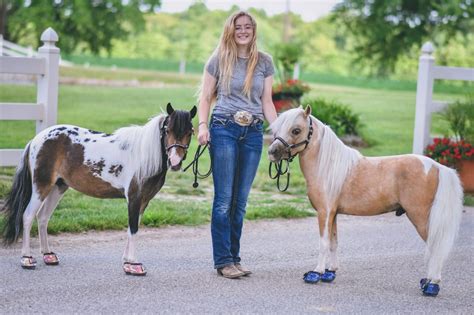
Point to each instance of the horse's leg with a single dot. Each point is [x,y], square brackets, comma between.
[325,229]
[325,221]
[131,266]
[43,216]
[333,262]
[27,260]
[330,273]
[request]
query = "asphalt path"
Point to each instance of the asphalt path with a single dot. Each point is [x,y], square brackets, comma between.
[381,263]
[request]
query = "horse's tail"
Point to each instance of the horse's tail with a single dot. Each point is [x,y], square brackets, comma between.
[17,200]
[445,218]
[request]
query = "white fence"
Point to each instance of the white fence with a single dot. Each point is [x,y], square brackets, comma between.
[46,66]
[427,73]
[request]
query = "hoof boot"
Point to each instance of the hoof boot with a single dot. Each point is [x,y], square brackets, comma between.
[28,262]
[312,277]
[428,288]
[328,276]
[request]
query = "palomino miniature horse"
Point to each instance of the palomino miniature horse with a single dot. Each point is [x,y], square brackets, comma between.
[340,180]
[131,163]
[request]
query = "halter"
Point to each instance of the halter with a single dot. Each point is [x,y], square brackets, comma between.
[305,142]
[278,166]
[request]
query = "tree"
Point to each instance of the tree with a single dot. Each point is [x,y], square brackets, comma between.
[93,24]
[386,30]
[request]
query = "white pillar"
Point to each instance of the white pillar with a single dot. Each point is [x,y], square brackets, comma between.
[296,71]
[424,98]
[47,94]
[1,44]
[182,66]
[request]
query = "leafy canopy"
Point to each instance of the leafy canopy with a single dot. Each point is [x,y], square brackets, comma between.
[385,30]
[92,24]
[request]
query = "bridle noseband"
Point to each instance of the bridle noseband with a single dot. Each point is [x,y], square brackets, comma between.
[278,166]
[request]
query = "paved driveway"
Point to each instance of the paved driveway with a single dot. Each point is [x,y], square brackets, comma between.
[381,264]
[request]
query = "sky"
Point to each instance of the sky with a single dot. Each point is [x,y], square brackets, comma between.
[309,10]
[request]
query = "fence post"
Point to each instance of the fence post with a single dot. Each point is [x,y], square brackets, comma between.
[1,44]
[296,71]
[424,92]
[47,94]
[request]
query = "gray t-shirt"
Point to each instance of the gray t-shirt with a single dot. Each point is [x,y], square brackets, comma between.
[236,100]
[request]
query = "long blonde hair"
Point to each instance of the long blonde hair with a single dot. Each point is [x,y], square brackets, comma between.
[226,53]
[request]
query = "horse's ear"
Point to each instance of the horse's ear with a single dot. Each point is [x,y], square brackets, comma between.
[169,109]
[193,112]
[307,111]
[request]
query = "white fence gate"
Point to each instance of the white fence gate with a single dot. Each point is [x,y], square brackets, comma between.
[44,111]
[427,73]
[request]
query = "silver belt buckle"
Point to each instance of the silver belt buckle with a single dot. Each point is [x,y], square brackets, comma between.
[243,118]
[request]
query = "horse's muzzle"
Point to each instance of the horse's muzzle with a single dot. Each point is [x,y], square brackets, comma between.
[175,167]
[276,152]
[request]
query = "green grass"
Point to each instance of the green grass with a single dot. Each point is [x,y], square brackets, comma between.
[196,68]
[131,76]
[388,116]
[149,64]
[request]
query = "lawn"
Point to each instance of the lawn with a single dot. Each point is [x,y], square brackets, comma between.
[387,115]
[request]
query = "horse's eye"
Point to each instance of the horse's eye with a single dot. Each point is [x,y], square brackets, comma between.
[296,131]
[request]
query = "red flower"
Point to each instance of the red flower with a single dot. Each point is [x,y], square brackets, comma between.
[291,86]
[449,152]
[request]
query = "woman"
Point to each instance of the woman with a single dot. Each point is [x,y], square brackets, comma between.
[239,79]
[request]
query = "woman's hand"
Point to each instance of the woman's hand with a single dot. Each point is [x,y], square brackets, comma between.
[203,134]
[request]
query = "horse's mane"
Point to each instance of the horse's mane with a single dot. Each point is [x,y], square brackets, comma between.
[336,160]
[143,147]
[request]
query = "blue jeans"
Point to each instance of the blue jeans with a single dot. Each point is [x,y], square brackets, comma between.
[235,153]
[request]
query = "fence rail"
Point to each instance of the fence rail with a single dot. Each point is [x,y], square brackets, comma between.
[425,106]
[44,111]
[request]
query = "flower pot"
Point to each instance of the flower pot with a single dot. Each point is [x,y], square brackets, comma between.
[284,101]
[466,174]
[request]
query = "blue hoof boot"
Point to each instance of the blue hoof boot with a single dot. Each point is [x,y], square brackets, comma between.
[328,276]
[312,277]
[428,288]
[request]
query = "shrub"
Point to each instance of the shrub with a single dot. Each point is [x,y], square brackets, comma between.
[340,117]
[460,116]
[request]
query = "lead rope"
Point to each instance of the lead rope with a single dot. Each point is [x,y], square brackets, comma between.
[195,165]
[278,166]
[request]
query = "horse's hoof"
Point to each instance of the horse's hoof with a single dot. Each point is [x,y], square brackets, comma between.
[28,262]
[312,277]
[134,269]
[51,259]
[328,276]
[428,288]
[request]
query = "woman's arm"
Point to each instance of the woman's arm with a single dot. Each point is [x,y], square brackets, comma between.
[207,95]
[268,107]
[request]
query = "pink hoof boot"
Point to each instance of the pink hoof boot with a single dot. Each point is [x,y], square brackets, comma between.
[134,269]
[28,262]
[51,259]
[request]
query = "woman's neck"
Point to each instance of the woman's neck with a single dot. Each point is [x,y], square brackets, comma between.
[243,51]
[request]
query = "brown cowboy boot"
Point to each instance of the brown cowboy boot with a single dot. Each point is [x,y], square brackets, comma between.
[230,272]
[243,269]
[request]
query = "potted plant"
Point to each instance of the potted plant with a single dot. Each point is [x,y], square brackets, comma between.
[458,152]
[288,92]
[455,154]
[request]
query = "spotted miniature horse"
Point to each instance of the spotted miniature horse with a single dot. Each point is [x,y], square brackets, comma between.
[340,180]
[130,163]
